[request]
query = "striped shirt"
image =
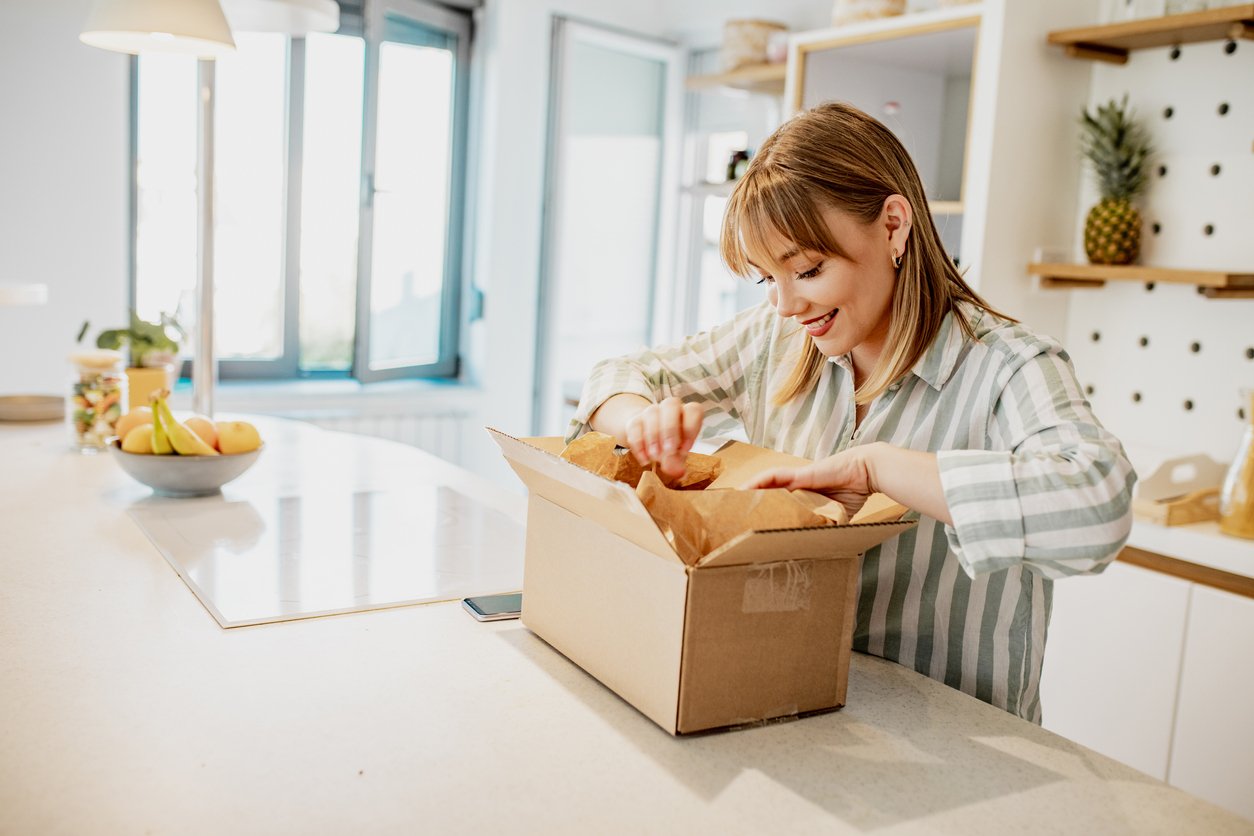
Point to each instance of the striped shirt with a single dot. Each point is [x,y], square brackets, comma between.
[1037,488]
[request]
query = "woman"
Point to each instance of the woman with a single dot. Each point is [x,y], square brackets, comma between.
[874,358]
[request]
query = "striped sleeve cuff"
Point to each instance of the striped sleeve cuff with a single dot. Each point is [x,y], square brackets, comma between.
[598,392]
[987,532]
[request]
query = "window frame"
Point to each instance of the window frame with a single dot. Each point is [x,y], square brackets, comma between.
[458,23]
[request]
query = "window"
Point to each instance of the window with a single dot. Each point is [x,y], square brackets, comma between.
[338,195]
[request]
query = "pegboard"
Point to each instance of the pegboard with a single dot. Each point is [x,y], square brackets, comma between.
[1164,366]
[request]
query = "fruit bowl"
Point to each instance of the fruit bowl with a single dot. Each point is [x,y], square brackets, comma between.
[183,475]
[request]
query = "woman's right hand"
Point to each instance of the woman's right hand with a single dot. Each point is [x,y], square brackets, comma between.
[664,433]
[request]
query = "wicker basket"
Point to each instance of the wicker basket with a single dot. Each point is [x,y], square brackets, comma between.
[744,42]
[853,11]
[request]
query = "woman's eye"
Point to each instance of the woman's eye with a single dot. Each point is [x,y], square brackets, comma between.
[812,272]
[765,280]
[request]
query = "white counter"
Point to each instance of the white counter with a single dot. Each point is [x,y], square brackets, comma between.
[124,708]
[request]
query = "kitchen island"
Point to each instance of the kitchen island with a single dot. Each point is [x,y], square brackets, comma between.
[125,708]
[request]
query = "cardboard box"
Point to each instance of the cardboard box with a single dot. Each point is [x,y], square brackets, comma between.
[761,628]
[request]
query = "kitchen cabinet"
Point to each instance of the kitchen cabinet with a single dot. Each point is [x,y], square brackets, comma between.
[1112,663]
[1149,664]
[1213,746]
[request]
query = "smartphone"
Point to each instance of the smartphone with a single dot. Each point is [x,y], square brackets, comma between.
[494,607]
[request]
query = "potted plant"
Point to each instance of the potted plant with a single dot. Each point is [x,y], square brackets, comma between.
[1119,150]
[153,348]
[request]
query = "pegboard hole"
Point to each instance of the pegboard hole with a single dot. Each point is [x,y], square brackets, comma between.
[1174,54]
[1095,336]
[1195,347]
[1214,170]
[1168,112]
[1240,413]
[1188,405]
[1249,353]
[1223,108]
[1156,227]
[1144,342]
[1162,171]
[1230,47]
[1136,397]
[1088,390]
[1209,229]
[1149,286]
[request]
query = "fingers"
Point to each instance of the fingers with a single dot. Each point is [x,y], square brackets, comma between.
[635,439]
[692,415]
[664,433]
[780,477]
[670,425]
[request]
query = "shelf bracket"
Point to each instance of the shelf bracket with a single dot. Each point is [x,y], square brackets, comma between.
[1241,29]
[1098,52]
[1227,292]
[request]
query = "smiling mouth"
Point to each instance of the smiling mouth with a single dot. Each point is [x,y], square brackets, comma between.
[818,320]
[820,325]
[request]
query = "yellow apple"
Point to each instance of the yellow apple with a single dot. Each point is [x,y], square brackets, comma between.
[237,437]
[135,418]
[204,428]
[138,440]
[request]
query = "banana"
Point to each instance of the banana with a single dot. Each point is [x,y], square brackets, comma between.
[160,441]
[182,439]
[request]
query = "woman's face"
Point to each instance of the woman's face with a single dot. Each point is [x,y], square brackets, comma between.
[842,303]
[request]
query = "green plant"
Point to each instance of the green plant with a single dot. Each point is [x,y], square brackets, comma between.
[149,343]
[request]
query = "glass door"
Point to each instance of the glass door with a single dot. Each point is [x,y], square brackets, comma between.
[413,165]
[612,177]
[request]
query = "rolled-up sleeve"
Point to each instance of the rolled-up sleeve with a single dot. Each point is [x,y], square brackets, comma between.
[1053,493]
[713,367]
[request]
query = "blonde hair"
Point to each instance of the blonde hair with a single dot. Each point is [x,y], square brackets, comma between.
[836,156]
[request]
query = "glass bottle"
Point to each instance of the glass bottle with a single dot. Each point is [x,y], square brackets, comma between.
[97,398]
[1236,502]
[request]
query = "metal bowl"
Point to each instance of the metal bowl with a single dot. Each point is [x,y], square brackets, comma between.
[175,475]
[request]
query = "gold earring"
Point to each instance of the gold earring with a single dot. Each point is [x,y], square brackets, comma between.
[896,260]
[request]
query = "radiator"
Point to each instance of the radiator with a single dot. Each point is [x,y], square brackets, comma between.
[438,433]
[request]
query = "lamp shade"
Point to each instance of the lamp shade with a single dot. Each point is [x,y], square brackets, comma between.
[187,27]
[23,294]
[289,17]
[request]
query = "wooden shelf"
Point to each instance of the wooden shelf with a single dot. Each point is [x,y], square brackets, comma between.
[1114,41]
[758,78]
[1215,284]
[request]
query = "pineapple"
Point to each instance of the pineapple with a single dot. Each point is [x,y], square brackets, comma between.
[1119,150]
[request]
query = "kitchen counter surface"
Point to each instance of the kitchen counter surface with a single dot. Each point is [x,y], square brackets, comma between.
[124,707]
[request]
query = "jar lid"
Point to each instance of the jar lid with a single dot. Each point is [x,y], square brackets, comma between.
[102,358]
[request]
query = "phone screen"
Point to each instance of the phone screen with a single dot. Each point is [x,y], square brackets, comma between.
[495,606]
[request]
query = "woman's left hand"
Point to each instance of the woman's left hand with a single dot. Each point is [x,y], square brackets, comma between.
[845,477]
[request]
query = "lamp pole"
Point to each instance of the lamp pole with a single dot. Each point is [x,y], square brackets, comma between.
[204,362]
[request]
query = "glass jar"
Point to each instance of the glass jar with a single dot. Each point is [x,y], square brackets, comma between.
[97,399]
[1236,501]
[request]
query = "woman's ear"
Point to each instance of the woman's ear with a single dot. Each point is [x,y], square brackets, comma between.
[898,218]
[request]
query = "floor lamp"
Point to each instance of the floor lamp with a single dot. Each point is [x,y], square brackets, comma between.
[200,28]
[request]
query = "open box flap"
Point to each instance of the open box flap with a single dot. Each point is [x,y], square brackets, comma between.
[613,504]
[823,543]
[741,462]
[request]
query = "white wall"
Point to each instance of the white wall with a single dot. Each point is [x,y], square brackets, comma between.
[63,187]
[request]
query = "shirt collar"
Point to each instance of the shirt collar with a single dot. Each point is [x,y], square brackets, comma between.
[941,358]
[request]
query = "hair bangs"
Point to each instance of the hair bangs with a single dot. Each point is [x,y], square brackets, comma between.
[763,205]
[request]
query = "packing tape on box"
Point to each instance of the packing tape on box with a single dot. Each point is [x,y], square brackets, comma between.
[777,587]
